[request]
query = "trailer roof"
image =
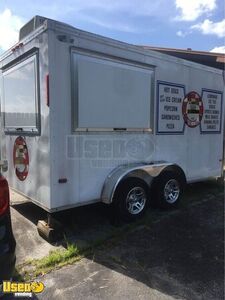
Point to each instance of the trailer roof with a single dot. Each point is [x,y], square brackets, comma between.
[39,24]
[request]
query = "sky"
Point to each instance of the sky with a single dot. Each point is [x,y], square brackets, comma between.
[195,24]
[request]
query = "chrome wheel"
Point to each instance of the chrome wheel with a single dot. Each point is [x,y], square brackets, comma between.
[172,191]
[136,200]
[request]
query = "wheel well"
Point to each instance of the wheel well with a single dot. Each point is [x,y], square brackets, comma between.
[172,169]
[176,169]
[147,174]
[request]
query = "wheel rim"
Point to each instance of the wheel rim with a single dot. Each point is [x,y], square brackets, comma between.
[172,191]
[136,200]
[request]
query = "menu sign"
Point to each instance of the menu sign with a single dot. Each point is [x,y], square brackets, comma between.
[170,98]
[212,103]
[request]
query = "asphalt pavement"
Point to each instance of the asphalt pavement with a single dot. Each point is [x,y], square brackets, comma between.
[178,255]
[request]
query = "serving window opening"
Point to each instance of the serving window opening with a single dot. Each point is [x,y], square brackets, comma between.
[21,96]
[118,97]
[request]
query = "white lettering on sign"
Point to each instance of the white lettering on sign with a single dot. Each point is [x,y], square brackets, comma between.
[212,102]
[170,98]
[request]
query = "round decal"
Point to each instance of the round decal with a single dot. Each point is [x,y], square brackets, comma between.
[192,109]
[21,158]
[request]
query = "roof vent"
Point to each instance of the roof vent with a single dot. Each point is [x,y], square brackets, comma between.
[33,24]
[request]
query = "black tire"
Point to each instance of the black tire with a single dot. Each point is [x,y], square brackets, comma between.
[124,206]
[167,190]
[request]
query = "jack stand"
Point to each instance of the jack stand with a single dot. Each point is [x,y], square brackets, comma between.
[221,180]
[50,230]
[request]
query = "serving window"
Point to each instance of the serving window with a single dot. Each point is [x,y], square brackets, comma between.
[110,94]
[21,96]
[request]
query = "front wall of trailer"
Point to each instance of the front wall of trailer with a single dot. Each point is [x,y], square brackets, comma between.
[27,149]
[81,161]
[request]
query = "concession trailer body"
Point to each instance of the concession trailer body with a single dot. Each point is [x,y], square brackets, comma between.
[85,118]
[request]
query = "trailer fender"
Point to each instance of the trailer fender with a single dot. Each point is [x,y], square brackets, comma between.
[145,172]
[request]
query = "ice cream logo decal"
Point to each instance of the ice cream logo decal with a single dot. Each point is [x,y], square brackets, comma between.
[21,158]
[192,109]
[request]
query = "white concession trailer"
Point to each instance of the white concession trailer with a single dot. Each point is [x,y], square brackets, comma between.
[85,118]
